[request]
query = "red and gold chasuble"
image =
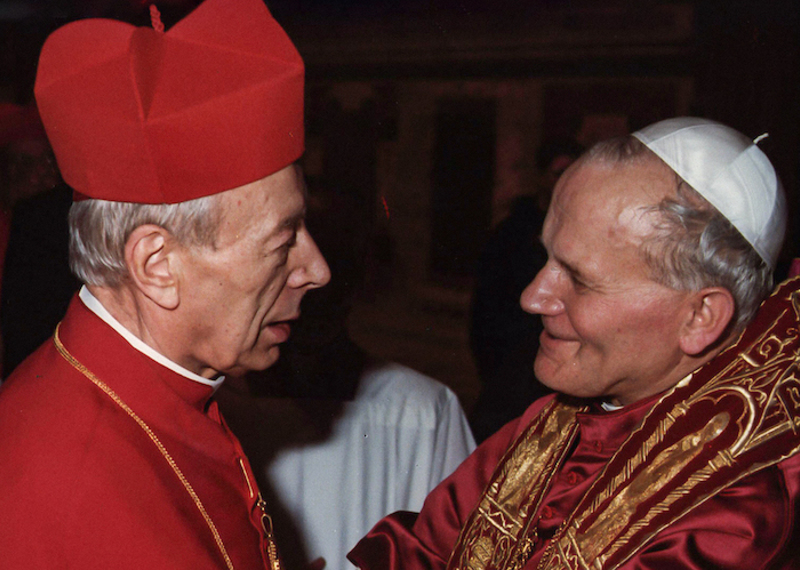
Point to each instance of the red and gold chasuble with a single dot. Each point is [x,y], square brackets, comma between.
[738,414]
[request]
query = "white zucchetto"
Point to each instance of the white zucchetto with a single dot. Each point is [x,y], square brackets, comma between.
[728,170]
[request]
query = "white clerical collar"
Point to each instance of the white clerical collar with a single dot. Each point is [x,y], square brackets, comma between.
[94,305]
[609,407]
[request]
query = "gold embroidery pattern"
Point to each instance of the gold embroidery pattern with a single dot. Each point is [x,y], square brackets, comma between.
[716,427]
[153,437]
[761,385]
[501,532]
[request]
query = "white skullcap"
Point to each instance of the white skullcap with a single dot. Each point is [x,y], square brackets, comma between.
[729,171]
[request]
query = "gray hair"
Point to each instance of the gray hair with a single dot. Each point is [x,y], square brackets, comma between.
[693,245]
[99,230]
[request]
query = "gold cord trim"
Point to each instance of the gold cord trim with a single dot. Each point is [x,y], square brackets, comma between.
[247,479]
[153,437]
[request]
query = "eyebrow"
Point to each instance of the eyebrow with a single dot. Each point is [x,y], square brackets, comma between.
[292,222]
[574,273]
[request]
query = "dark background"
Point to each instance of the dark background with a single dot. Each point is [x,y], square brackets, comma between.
[596,68]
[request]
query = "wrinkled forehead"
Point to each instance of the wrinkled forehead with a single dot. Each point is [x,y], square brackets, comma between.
[593,185]
[277,200]
[598,205]
[600,218]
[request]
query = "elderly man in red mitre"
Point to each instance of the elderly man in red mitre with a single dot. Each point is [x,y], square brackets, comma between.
[673,440]
[188,232]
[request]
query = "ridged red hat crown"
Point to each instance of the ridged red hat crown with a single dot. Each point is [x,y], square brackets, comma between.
[138,115]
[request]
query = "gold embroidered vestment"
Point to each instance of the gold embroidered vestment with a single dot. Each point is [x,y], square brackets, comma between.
[734,416]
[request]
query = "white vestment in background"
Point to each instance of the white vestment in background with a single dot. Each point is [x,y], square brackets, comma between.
[401,435]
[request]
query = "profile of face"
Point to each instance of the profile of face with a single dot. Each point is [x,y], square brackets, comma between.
[240,296]
[610,330]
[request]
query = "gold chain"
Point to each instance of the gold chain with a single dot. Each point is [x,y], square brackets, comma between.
[153,437]
[272,547]
[266,521]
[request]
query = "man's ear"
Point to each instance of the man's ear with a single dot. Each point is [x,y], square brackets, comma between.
[149,255]
[710,312]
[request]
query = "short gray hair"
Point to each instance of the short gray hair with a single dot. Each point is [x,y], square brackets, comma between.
[694,245]
[99,230]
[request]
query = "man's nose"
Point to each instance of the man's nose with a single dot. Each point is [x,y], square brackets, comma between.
[541,296]
[311,269]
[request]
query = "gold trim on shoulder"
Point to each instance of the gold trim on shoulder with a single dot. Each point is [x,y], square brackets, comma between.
[501,532]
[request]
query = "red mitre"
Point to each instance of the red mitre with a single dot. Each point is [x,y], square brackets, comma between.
[139,115]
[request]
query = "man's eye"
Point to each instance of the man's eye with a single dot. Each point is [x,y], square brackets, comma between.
[286,246]
[579,285]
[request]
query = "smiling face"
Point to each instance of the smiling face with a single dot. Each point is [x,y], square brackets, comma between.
[238,298]
[609,329]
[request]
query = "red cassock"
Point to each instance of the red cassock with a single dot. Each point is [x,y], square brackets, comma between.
[753,524]
[110,460]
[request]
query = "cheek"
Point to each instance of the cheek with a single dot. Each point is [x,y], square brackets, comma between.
[656,313]
[606,329]
[271,286]
[647,326]
[264,300]
[596,321]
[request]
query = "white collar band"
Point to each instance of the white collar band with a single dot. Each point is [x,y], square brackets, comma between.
[94,305]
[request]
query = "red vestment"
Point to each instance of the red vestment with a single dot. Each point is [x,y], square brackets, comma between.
[750,525]
[704,476]
[141,474]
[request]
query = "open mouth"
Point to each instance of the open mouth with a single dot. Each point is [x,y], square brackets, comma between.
[280,329]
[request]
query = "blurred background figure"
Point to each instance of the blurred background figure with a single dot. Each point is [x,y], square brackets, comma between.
[36,282]
[28,165]
[337,437]
[504,338]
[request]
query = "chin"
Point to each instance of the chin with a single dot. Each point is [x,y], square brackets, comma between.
[549,376]
[546,372]
[253,362]
[262,359]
